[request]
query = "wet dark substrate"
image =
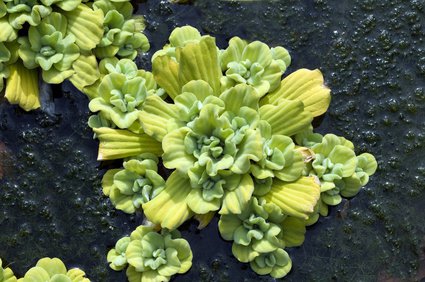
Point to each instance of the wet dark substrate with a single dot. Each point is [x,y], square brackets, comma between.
[372,55]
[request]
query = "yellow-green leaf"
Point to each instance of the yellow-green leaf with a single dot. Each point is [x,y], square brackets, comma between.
[86,71]
[166,73]
[286,117]
[117,144]
[22,87]
[8,33]
[204,219]
[86,25]
[293,231]
[295,198]
[169,208]
[199,61]
[303,85]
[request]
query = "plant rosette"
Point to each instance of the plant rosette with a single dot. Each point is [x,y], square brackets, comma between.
[238,139]
[50,47]
[53,270]
[6,274]
[276,263]
[341,173]
[136,184]
[151,256]
[122,35]
[254,64]
[256,230]
[121,94]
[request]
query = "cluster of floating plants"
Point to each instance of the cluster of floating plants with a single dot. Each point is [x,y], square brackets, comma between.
[237,139]
[63,40]
[151,256]
[46,270]
[209,131]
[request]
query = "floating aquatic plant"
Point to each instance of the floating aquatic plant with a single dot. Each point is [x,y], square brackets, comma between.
[136,184]
[239,141]
[121,94]
[256,230]
[122,35]
[53,270]
[49,47]
[6,274]
[151,256]
[63,39]
[276,263]
[215,139]
[253,64]
[340,171]
[116,256]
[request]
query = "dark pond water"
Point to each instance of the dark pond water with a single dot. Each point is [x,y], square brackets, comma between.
[372,54]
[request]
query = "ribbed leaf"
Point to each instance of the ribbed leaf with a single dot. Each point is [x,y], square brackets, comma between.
[36,274]
[86,71]
[242,95]
[199,88]
[198,205]
[293,171]
[116,144]
[233,52]
[77,275]
[293,231]
[236,200]
[169,208]
[22,87]
[345,156]
[181,35]
[175,155]
[295,198]
[166,73]
[155,116]
[86,25]
[199,61]
[306,86]
[286,117]
[367,163]
[8,275]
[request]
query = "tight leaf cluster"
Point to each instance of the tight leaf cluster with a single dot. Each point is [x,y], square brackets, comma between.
[151,256]
[46,270]
[63,40]
[237,140]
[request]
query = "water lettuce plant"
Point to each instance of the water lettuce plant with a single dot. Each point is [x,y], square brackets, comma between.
[136,184]
[253,64]
[340,171]
[120,95]
[6,274]
[53,270]
[151,256]
[255,230]
[237,139]
[65,39]
[50,48]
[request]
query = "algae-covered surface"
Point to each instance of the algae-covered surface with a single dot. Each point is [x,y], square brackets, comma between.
[372,55]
